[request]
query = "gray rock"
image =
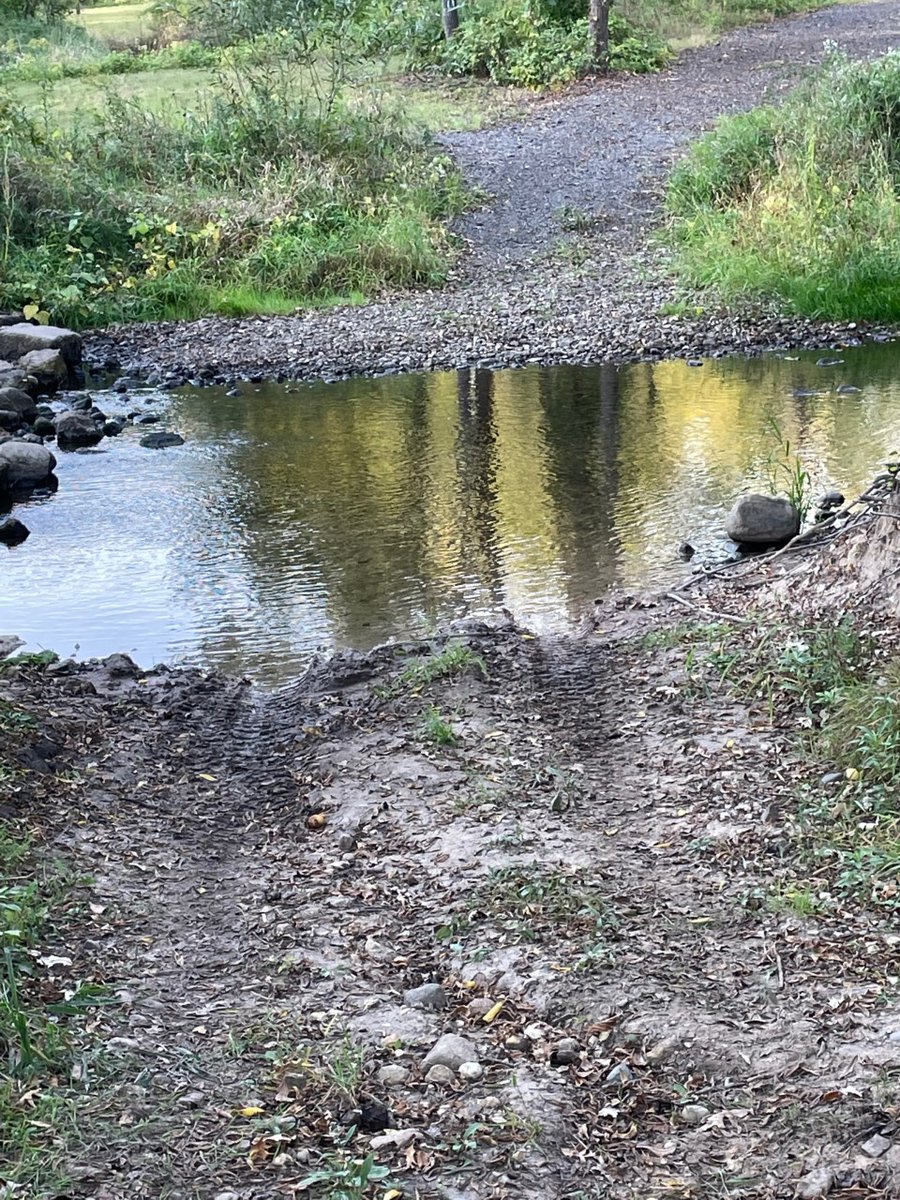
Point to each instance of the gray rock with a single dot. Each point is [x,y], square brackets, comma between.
[159,441]
[694,1114]
[12,531]
[13,399]
[112,427]
[470,1071]
[44,427]
[815,1184]
[758,520]
[10,420]
[430,996]
[18,340]
[83,403]
[48,367]
[392,1074]
[832,499]
[74,429]
[451,1051]
[121,666]
[440,1074]
[620,1074]
[565,1051]
[876,1145]
[25,463]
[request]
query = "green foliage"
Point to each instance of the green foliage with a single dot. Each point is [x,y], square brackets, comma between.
[801,204]
[787,474]
[275,189]
[861,732]
[437,729]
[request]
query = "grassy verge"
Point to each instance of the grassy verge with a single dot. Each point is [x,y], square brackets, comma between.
[800,205]
[682,23]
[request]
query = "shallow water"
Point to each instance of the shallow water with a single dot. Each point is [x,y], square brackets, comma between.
[341,514]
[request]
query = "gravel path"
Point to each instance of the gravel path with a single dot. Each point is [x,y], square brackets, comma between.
[527,291]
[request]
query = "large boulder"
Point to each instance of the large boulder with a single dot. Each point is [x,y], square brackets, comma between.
[26,463]
[12,399]
[21,339]
[74,429]
[758,520]
[48,367]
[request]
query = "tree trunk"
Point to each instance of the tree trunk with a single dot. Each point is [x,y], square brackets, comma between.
[598,34]
[450,17]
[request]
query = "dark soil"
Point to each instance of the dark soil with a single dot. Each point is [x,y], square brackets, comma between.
[528,289]
[598,850]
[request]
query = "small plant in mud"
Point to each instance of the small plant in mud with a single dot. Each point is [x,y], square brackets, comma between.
[437,729]
[451,662]
[685,633]
[342,1177]
[40,658]
[786,473]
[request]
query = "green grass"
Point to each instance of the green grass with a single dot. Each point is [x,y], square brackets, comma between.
[683,23]
[800,205]
[116,21]
[437,728]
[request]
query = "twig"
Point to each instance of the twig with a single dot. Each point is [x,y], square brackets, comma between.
[706,612]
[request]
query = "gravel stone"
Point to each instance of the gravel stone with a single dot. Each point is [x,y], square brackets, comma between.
[430,996]
[876,1145]
[470,1071]
[694,1114]
[815,1183]
[439,1074]
[451,1051]
[392,1073]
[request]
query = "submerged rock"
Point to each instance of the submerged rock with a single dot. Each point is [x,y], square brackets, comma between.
[758,520]
[12,531]
[161,439]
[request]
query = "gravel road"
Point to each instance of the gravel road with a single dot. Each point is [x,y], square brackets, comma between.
[527,291]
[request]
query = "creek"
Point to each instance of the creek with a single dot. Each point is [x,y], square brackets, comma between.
[299,518]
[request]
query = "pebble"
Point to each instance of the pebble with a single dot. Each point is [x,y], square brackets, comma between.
[399,1139]
[470,1071]
[876,1145]
[192,1099]
[392,1073]
[815,1183]
[439,1074]
[534,1032]
[566,1050]
[451,1051]
[694,1114]
[479,1006]
[621,1073]
[663,1050]
[430,996]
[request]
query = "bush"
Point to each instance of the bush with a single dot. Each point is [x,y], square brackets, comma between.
[265,197]
[801,204]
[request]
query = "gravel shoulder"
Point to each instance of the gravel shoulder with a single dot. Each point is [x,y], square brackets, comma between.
[526,290]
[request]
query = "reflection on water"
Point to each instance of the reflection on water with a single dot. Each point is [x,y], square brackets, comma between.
[337,515]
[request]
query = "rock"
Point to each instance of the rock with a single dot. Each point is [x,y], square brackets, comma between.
[686,551]
[74,429]
[149,419]
[470,1071]
[10,420]
[451,1051]
[392,1073]
[828,362]
[121,666]
[19,340]
[832,499]
[440,1074]
[816,1183]
[430,996]
[620,1074]
[25,463]
[159,441]
[13,399]
[83,403]
[534,1032]
[694,1114]
[876,1145]
[9,643]
[397,1139]
[44,427]
[112,427]
[48,367]
[757,520]
[564,1052]
[480,1006]
[12,531]
[192,1099]
[847,389]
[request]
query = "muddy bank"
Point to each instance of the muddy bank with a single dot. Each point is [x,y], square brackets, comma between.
[561,265]
[568,843]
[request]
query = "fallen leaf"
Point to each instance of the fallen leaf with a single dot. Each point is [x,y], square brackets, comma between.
[493,1013]
[251,1110]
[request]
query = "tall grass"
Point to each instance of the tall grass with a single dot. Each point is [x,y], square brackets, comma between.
[265,194]
[801,205]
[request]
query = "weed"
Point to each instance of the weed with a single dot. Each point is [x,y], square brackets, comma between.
[342,1177]
[452,661]
[686,633]
[786,473]
[795,898]
[38,658]
[437,729]
[531,903]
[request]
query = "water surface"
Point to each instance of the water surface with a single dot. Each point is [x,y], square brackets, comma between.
[304,518]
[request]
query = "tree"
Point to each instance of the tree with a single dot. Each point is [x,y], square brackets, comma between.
[598,34]
[450,17]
